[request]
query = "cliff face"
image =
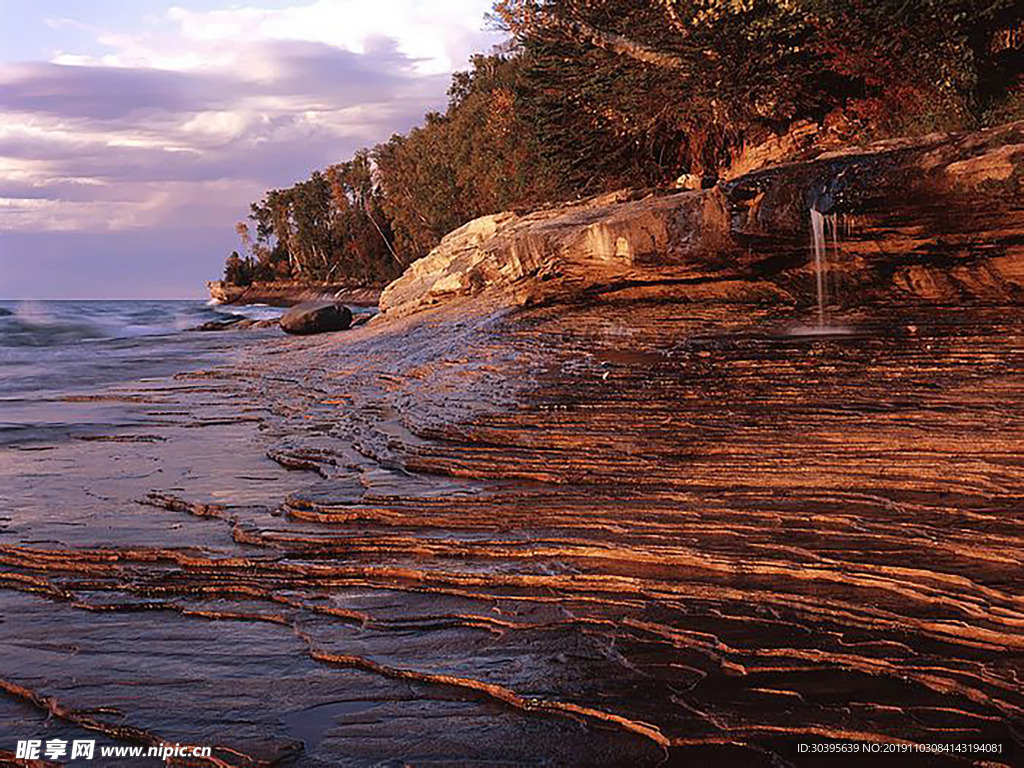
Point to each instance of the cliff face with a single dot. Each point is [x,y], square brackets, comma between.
[938,219]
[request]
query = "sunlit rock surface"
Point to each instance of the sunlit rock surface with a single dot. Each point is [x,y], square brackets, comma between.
[940,219]
[290,293]
[648,524]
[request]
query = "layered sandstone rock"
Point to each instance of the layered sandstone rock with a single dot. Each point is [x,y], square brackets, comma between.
[612,532]
[937,219]
[290,293]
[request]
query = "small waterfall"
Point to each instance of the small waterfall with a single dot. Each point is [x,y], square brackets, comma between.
[820,261]
[825,232]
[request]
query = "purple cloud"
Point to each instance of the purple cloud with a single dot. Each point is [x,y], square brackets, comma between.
[130,154]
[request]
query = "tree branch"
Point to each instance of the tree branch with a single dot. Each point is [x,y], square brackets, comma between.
[524,17]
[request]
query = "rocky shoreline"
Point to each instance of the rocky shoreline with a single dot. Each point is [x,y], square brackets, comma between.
[613,533]
[589,492]
[936,220]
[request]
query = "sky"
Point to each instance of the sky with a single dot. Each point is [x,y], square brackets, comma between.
[135,133]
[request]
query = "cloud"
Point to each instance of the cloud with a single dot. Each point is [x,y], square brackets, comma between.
[104,93]
[183,121]
[111,131]
[436,39]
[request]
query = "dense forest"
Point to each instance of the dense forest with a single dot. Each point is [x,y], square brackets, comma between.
[594,95]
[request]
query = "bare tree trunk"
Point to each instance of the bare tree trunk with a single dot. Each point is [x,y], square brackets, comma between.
[380,232]
[618,44]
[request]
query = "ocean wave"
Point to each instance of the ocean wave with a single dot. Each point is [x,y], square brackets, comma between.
[29,325]
[60,323]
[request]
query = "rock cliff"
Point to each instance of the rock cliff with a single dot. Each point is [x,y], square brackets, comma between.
[937,219]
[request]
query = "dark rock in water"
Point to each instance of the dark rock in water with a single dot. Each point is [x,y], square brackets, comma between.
[262,323]
[317,317]
[5,312]
[220,325]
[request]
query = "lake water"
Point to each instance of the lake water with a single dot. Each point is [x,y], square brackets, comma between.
[50,350]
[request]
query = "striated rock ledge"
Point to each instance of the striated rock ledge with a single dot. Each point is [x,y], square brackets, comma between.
[636,533]
[938,219]
[287,294]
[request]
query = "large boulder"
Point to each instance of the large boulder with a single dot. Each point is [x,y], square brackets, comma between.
[562,250]
[316,317]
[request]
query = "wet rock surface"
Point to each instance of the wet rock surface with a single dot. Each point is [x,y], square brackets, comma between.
[236,324]
[637,508]
[612,534]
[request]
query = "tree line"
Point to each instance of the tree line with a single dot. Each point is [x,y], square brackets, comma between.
[594,95]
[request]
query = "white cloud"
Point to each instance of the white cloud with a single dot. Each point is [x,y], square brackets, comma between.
[439,36]
[221,124]
[131,206]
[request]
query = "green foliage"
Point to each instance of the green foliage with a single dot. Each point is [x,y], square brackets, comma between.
[480,157]
[742,69]
[238,270]
[331,227]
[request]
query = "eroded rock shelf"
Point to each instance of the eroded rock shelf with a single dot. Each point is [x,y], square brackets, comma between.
[673,528]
